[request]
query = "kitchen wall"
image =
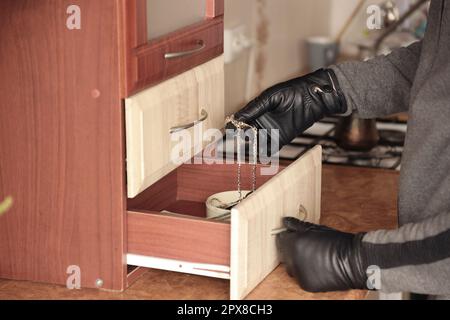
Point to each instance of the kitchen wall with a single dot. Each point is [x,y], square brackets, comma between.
[340,11]
[278,29]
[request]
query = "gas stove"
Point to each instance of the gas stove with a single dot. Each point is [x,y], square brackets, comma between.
[386,155]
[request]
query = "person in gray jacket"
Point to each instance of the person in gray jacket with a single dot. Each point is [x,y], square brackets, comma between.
[416,79]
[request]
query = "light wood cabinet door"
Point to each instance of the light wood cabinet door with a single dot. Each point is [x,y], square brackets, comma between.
[155,117]
[295,192]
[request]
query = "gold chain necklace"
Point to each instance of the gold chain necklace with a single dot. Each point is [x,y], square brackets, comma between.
[239,127]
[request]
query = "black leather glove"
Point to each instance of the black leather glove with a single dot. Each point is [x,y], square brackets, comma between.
[322,259]
[294,106]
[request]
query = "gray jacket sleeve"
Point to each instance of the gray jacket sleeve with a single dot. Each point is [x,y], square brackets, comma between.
[381,86]
[414,258]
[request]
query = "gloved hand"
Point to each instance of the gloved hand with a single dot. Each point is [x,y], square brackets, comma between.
[294,106]
[322,259]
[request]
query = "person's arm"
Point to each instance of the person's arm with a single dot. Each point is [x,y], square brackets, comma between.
[380,86]
[414,258]
[374,88]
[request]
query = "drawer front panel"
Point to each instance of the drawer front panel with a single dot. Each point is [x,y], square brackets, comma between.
[199,44]
[178,238]
[296,192]
[150,116]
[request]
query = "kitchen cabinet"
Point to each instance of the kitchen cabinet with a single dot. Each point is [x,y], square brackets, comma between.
[160,45]
[166,224]
[82,111]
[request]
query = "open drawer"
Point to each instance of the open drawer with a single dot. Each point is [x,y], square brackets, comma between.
[244,251]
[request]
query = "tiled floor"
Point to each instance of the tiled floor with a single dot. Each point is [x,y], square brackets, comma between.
[158,285]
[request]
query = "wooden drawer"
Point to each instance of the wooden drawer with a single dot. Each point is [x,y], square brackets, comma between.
[151,115]
[162,59]
[244,250]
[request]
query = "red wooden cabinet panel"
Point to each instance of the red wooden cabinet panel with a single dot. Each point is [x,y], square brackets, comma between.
[62,144]
[148,62]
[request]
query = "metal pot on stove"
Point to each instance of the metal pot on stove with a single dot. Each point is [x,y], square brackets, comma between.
[356,134]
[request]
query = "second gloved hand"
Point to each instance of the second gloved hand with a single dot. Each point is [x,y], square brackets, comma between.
[322,259]
[294,106]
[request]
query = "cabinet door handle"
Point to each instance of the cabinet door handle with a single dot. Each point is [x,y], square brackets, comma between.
[173,55]
[204,116]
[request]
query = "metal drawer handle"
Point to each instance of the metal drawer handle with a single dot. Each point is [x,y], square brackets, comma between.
[302,214]
[173,55]
[204,116]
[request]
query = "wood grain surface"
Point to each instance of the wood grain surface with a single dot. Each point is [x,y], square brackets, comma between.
[352,199]
[185,237]
[359,199]
[253,250]
[152,113]
[144,62]
[215,8]
[195,183]
[61,143]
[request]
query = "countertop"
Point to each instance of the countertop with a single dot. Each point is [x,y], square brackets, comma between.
[353,200]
